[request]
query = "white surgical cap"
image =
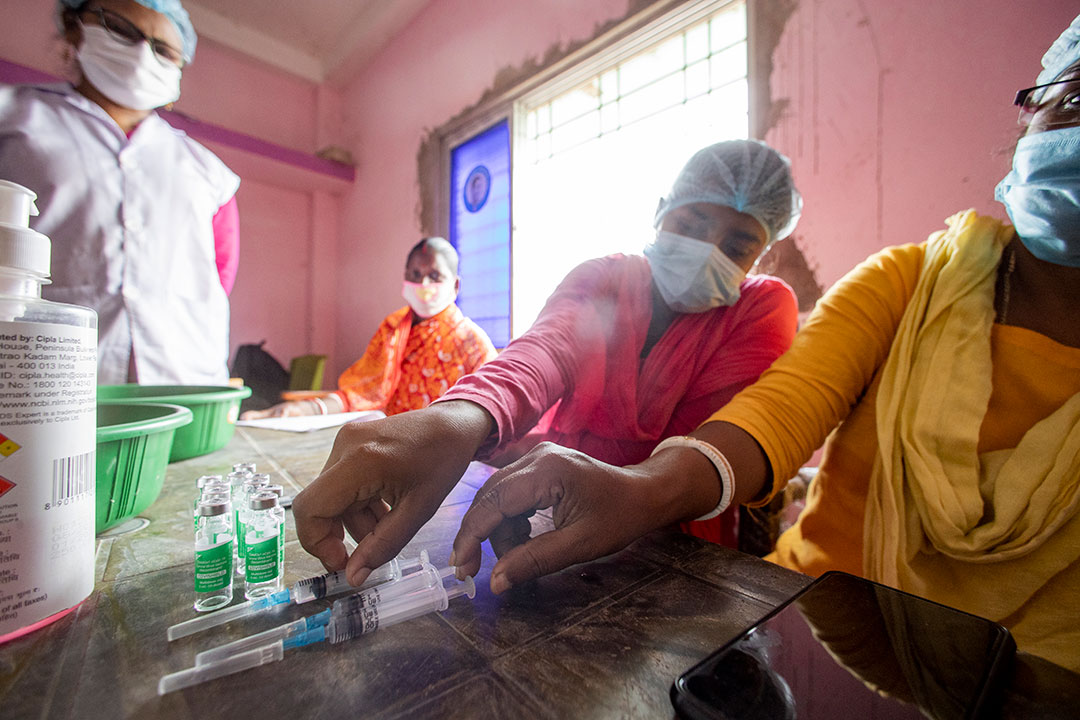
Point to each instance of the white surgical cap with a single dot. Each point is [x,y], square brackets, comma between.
[1062,54]
[746,175]
[171,9]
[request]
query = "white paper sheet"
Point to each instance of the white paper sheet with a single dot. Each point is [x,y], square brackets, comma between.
[307,423]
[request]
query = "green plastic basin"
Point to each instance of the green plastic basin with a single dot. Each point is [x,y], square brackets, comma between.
[214,411]
[133,444]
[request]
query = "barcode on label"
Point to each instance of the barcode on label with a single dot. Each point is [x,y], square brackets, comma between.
[72,477]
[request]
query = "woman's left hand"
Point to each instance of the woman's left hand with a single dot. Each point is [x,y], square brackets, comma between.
[598,509]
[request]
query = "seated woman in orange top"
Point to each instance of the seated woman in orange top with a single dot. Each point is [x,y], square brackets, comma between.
[417,353]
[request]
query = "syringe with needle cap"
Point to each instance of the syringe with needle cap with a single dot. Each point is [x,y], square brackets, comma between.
[427,577]
[302,591]
[337,629]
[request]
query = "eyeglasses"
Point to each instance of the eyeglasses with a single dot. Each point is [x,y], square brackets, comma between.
[1056,103]
[123,30]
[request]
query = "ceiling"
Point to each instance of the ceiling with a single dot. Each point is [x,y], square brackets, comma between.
[325,41]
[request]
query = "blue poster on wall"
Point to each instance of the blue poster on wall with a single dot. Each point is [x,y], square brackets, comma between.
[480,228]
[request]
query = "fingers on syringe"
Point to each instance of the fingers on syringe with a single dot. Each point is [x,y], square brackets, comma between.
[391,534]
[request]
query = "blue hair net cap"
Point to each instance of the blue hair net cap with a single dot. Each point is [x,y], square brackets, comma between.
[1062,54]
[746,175]
[171,9]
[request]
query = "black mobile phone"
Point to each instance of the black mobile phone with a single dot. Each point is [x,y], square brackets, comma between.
[846,647]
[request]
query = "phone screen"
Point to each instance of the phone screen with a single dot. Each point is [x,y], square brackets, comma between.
[846,647]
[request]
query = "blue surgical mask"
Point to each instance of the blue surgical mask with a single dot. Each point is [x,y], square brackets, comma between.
[692,276]
[1042,195]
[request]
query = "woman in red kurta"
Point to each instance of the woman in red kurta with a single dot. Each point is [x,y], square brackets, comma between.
[612,398]
[633,350]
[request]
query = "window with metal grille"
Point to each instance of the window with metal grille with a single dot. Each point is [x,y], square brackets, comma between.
[595,147]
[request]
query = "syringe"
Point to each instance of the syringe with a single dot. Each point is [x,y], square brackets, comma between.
[300,592]
[338,629]
[316,588]
[281,632]
[232,664]
[370,618]
[427,577]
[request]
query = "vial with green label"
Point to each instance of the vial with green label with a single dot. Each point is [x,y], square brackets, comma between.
[207,484]
[264,523]
[247,488]
[280,492]
[214,540]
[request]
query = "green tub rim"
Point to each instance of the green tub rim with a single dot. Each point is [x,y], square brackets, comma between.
[175,417]
[158,394]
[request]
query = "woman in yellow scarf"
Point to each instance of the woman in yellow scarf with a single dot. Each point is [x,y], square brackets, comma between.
[944,380]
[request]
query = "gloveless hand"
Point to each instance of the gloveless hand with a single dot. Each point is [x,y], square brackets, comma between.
[598,509]
[383,480]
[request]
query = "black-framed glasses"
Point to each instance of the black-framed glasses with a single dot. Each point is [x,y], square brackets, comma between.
[1055,103]
[125,31]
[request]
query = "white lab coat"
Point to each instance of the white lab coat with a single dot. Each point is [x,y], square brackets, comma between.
[131,226]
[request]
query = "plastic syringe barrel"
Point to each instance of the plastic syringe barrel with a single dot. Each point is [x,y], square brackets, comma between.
[316,588]
[428,576]
[406,607]
[220,617]
[394,570]
[281,632]
[228,666]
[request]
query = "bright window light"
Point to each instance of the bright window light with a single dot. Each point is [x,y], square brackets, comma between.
[591,163]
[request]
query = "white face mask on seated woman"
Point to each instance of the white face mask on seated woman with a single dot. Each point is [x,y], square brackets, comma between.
[429,299]
[692,276]
[129,75]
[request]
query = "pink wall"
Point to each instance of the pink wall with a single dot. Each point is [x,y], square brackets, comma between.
[440,64]
[900,114]
[288,217]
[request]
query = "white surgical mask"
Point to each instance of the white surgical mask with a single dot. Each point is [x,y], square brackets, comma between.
[129,75]
[692,276]
[428,299]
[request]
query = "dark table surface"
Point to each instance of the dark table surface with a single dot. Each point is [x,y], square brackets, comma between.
[599,640]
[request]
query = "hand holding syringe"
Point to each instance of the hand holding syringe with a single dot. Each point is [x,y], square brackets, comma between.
[338,628]
[313,588]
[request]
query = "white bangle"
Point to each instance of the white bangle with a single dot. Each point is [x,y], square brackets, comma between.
[723,467]
[323,410]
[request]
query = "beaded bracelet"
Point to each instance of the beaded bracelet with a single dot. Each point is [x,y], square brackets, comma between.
[727,475]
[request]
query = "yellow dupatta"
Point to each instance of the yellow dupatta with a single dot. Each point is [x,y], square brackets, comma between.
[983,533]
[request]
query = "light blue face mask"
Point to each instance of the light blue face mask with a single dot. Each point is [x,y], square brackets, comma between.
[1042,195]
[692,276]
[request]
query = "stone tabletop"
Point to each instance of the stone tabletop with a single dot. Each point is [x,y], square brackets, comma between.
[599,640]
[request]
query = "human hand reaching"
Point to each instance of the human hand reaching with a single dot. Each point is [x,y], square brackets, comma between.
[597,509]
[383,480]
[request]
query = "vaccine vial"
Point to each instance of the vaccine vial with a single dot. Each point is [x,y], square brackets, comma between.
[203,480]
[248,468]
[280,492]
[206,484]
[263,525]
[248,487]
[214,540]
[236,484]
